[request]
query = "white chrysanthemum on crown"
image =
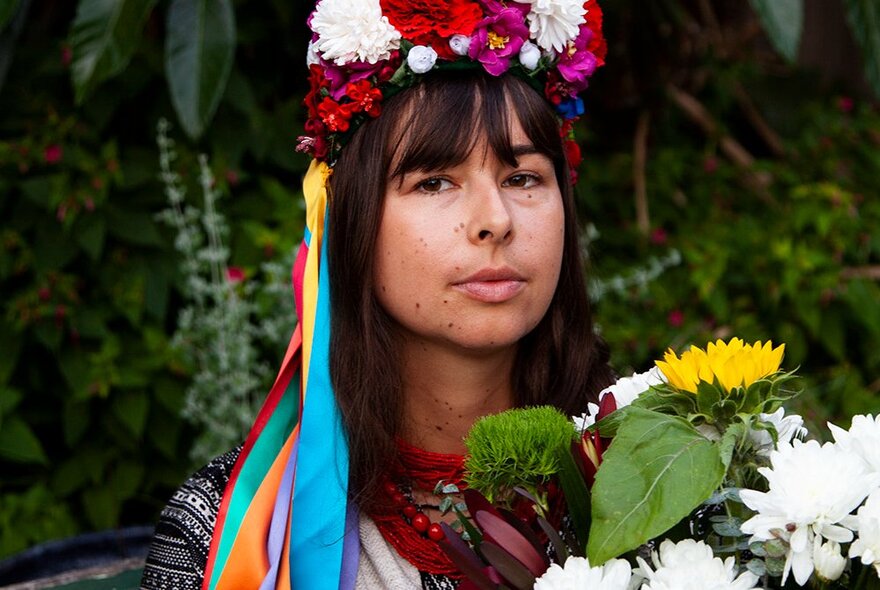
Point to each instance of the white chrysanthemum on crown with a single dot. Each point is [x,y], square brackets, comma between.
[353,30]
[553,23]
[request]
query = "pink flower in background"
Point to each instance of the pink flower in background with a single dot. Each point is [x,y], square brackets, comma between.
[659,236]
[53,154]
[710,165]
[845,104]
[234,274]
[675,318]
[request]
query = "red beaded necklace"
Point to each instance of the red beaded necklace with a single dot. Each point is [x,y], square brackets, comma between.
[407,528]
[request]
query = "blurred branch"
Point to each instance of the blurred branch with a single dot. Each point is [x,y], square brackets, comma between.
[716,34]
[770,137]
[640,160]
[861,272]
[735,152]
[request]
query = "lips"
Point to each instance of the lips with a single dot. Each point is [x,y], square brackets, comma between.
[492,285]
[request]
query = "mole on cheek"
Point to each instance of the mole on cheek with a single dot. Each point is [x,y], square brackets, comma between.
[450,324]
[417,306]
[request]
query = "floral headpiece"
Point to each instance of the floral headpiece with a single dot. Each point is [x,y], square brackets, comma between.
[364,50]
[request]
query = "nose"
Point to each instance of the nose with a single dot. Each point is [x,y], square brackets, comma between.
[491,221]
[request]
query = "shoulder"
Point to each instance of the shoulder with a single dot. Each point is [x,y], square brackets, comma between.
[179,551]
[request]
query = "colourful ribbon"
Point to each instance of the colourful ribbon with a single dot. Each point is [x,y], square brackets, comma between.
[285,522]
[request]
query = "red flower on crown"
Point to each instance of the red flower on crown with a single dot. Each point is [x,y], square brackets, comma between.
[432,23]
[365,97]
[597,45]
[334,115]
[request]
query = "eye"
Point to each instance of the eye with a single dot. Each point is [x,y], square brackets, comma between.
[433,185]
[522,180]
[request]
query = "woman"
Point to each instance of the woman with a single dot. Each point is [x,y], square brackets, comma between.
[449,286]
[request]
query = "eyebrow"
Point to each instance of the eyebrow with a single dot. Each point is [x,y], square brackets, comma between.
[524,150]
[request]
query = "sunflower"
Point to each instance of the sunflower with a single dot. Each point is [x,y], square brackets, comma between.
[733,364]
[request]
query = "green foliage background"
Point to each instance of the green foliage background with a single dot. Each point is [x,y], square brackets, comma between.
[784,244]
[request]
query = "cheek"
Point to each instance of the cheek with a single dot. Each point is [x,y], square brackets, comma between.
[402,258]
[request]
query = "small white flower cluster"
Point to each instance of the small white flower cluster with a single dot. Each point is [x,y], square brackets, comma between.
[813,492]
[691,565]
[686,565]
[577,573]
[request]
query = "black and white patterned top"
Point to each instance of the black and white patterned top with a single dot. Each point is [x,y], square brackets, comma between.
[179,551]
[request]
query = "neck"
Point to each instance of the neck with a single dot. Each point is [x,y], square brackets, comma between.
[445,391]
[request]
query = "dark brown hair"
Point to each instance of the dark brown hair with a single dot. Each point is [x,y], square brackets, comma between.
[434,125]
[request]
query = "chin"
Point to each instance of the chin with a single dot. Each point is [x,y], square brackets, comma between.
[488,338]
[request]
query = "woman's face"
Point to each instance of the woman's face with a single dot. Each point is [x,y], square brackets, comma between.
[469,256]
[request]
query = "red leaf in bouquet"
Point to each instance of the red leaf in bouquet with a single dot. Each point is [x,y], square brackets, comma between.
[590,452]
[476,501]
[528,534]
[454,542]
[607,405]
[508,566]
[559,546]
[512,542]
[465,560]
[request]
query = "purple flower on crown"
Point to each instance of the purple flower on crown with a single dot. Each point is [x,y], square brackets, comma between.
[497,38]
[576,63]
[341,76]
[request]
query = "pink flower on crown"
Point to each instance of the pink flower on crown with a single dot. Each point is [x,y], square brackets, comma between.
[497,38]
[577,63]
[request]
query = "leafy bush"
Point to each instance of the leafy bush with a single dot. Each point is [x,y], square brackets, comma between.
[795,261]
[91,388]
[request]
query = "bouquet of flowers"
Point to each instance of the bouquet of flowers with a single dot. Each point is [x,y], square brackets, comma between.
[687,476]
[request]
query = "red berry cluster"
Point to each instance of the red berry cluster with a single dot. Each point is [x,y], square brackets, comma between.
[413,514]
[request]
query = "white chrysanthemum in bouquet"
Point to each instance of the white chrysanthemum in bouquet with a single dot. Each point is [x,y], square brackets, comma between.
[691,565]
[577,573]
[867,545]
[828,560]
[812,491]
[787,429]
[863,439]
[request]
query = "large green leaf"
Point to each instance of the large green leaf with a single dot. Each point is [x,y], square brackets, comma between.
[656,471]
[864,18]
[199,52]
[104,36]
[783,21]
[18,442]
[131,409]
